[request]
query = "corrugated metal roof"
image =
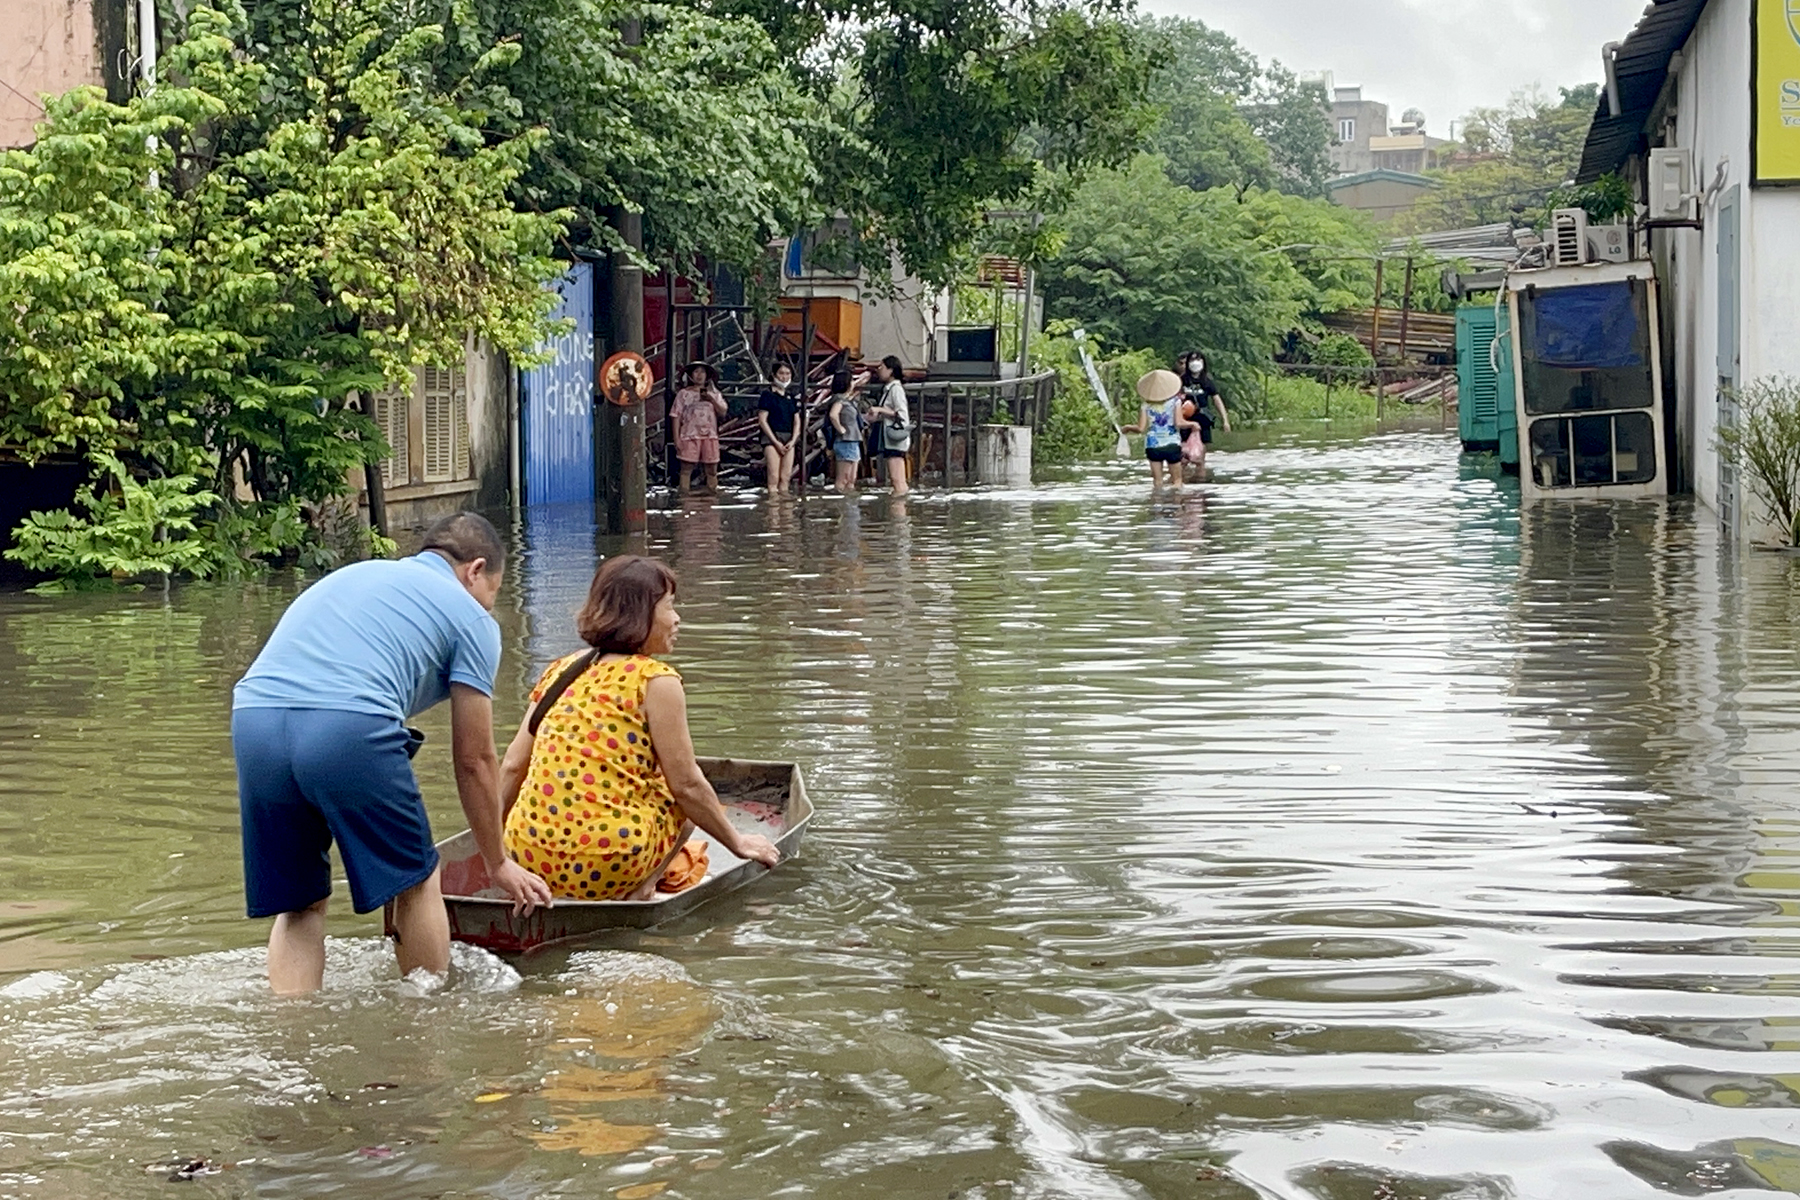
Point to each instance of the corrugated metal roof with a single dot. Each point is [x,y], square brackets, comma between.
[1643,68]
[1380,174]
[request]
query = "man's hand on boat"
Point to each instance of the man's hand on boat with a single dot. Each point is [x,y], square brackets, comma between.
[526,891]
[754,847]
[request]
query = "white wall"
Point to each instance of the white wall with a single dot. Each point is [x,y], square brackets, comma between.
[1713,120]
[905,325]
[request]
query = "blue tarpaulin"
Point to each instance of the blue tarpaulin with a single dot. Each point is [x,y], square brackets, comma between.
[1589,328]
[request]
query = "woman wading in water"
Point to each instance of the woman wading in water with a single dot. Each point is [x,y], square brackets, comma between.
[1200,402]
[1161,423]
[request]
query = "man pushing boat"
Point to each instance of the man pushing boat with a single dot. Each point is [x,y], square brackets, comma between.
[318,729]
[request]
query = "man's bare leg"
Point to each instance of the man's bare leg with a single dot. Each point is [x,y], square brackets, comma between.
[422,929]
[297,951]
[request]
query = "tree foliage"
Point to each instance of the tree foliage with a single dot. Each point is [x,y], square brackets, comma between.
[1151,263]
[699,125]
[940,112]
[1509,161]
[197,281]
[1225,120]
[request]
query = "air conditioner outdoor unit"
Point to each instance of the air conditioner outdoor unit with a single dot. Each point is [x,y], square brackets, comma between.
[1568,237]
[1669,170]
[1609,243]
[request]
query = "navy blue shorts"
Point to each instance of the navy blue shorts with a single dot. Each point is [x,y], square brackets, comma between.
[308,777]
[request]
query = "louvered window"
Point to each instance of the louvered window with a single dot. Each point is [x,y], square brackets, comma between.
[389,414]
[446,424]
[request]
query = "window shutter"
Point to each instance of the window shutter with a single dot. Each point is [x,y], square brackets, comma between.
[390,417]
[440,425]
[459,407]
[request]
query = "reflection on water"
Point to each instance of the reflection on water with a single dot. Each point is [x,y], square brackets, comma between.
[1336,831]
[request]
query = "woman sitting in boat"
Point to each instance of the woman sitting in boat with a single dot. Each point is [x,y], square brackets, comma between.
[600,783]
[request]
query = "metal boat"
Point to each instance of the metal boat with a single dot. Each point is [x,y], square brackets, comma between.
[759,797]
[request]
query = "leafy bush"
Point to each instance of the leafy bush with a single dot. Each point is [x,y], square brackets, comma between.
[1606,199]
[1078,428]
[130,529]
[1342,350]
[1765,443]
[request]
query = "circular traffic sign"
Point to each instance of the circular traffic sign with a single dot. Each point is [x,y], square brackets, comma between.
[625,378]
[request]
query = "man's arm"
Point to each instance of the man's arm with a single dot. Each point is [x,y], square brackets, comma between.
[478,787]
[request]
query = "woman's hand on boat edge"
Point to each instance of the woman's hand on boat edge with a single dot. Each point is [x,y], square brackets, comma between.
[526,890]
[754,847]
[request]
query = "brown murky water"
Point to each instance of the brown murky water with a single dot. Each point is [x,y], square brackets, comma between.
[1331,832]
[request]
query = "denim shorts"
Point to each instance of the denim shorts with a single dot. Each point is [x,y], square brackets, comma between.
[847,451]
[311,777]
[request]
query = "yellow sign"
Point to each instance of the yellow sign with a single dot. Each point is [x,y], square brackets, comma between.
[1777,92]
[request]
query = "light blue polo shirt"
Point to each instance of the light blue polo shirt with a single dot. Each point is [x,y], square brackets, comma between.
[383,638]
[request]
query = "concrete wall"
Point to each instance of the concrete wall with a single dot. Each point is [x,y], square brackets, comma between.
[490,373]
[50,46]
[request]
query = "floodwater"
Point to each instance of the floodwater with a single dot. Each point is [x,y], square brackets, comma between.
[1334,831]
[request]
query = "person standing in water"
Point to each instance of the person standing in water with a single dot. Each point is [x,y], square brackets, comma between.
[844,429]
[323,757]
[1161,423]
[778,417]
[1200,402]
[695,416]
[894,417]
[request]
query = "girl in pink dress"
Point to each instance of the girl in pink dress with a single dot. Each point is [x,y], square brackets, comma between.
[695,417]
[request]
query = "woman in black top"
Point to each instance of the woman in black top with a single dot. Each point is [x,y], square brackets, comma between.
[1200,392]
[778,416]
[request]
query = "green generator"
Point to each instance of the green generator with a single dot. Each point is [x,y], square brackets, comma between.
[1486,416]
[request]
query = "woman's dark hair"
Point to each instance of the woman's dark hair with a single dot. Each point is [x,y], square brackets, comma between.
[840,382]
[621,603]
[894,368]
[782,364]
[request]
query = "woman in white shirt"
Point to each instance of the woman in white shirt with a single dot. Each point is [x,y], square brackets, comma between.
[895,418]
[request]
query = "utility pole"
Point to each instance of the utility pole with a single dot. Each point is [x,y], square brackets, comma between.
[620,484]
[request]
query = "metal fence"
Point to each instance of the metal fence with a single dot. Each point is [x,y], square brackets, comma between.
[946,413]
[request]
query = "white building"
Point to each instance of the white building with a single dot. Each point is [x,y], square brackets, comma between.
[1721,80]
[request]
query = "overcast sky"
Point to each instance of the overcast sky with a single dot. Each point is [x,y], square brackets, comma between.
[1443,56]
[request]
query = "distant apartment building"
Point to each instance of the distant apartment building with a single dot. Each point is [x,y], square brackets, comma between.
[50,46]
[1355,123]
[1367,141]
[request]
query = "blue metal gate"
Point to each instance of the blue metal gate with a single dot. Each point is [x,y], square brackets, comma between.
[556,403]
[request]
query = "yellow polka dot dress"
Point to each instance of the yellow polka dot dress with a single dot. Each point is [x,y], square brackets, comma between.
[595,816]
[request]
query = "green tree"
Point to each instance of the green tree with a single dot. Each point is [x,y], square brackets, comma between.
[699,125]
[1202,80]
[1292,115]
[940,112]
[201,277]
[1510,160]
[1148,262]
[1227,121]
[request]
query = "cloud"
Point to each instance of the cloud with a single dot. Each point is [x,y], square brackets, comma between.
[1443,56]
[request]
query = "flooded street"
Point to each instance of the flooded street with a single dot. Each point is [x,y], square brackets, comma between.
[1335,831]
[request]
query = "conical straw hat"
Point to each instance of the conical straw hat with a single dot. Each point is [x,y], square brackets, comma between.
[1157,386]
